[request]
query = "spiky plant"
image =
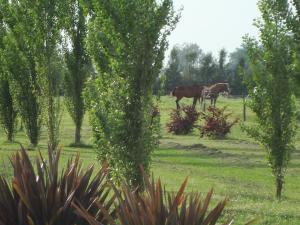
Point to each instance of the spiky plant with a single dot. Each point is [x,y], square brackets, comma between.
[45,196]
[156,206]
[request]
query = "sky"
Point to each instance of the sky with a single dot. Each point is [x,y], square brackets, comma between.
[214,24]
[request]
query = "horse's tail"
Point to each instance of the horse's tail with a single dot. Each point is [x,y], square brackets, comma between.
[173,92]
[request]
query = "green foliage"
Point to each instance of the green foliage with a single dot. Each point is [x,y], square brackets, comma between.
[44,196]
[8,112]
[172,72]
[292,20]
[188,65]
[271,90]
[239,72]
[78,64]
[46,30]
[127,41]
[21,64]
[35,30]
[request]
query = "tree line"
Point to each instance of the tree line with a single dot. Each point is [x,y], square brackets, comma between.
[188,64]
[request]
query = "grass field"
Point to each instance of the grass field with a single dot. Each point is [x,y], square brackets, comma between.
[235,167]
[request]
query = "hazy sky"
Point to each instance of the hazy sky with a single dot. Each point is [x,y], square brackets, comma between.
[214,24]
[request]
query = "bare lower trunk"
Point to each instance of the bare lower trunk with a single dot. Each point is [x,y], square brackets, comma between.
[279,184]
[77,134]
[21,126]
[33,139]
[52,132]
[10,136]
[244,108]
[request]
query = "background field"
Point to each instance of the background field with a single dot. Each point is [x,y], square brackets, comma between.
[235,167]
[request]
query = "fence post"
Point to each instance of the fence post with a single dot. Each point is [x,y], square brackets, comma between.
[244,107]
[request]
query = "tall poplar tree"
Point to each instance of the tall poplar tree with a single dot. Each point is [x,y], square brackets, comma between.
[7,109]
[21,63]
[127,40]
[49,17]
[271,92]
[78,64]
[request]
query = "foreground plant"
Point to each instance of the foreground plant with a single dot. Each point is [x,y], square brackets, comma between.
[156,206]
[45,196]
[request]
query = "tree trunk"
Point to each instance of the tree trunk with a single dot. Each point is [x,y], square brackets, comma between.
[279,184]
[77,134]
[21,126]
[244,107]
[10,136]
[33,139]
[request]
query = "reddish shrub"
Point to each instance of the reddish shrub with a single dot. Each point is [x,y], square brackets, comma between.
[183,124]
[216,123]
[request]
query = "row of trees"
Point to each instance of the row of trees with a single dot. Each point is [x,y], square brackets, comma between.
[188,65]
[34,61]
[52,47]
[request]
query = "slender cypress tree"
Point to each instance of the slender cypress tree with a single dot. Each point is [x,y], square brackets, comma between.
[127,40]
[7,109]
[21,63]
[271,92]
[78,64]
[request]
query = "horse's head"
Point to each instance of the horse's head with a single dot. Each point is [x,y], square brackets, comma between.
[223,88]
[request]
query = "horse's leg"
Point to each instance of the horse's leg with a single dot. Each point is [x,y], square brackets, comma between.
[203,102]
[215,100]
[194,102]
[177,103]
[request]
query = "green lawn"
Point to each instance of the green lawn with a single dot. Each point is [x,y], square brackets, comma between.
[235,167]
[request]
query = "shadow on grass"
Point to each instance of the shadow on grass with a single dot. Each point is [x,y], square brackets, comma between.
[220,164]
[264,216]
[81,145]
[204,150]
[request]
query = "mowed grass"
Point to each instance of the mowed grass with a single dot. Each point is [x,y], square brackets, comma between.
[235,167]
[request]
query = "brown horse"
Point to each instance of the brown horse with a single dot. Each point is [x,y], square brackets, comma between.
[194,91]
[212,92]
